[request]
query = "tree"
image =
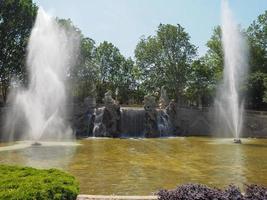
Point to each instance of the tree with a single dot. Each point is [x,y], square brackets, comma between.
[128,82]
[116,73]
[84,74]
[109,61]
[16,21]
[257,35]
[257,38]
[201,83]
[256,87]
[214,55]
[165,59]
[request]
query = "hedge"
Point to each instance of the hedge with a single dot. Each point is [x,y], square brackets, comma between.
[203,192]
[26,183]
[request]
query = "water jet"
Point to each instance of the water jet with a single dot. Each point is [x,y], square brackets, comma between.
[229,104]
[38,110]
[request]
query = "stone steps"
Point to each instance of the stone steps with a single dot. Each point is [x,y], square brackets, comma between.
[111,197]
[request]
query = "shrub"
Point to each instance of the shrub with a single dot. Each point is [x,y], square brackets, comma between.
[202,192]
[256,192]
[35,184]
[190,192]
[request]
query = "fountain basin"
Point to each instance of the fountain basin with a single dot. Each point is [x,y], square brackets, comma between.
[106,166]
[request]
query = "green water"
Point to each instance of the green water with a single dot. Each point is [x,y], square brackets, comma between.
[143,166]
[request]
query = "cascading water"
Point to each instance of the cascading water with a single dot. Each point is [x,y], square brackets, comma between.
[38,111]
[164,124]
[132,122]
[229,104]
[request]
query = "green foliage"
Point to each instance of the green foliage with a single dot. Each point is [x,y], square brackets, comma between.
[256,88]
[85,73]
[214,55]
[116,72]
[165,59]
[110,61]
[257,38]
[100,68]
[257,35]
[16,20]
[26,183]
[201,83]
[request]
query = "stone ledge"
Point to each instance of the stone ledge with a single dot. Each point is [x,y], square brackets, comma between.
[111,197]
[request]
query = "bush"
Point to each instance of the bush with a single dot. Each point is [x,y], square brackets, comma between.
[202,192]
[256,192]
[34,184]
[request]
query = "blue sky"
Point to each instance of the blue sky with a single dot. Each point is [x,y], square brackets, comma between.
[123,22]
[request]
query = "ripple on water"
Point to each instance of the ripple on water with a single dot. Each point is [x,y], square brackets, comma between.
[143,166]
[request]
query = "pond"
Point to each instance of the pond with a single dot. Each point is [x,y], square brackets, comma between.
[143,166]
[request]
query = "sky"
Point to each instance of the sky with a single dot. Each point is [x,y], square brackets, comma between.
[123,22]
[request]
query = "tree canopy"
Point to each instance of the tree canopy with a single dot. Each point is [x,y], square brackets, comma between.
[167,58]
[16,20]
[257,87]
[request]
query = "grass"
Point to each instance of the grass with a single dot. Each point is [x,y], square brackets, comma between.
[36,184]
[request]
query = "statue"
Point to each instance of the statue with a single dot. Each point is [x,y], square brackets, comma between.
[108,100]
[163,100]
[111,116]
[90,100]
[149,102]
[171,110]
[151,126]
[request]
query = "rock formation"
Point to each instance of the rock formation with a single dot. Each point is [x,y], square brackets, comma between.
[171,110]
[150,125]
[163,100]
[111,116]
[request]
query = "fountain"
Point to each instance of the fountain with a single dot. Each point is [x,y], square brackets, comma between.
[135,122]
[38,111]
[228,103]
[106,122]
[163,117]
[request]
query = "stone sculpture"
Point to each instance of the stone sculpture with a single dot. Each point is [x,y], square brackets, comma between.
[150,125]
[171,110]
[111,116]
[163,100]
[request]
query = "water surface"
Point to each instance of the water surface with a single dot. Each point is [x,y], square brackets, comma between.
[143,166]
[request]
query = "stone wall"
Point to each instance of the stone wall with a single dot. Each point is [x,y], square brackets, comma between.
[189,121]
[196,122]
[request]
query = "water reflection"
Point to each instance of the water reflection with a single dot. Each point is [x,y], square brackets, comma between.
[47,155]
[142,166]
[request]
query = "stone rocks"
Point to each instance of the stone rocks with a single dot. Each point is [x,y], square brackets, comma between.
[171,110]
[111,116]
[163,100]
[107,121]
[90,103]
[151,125]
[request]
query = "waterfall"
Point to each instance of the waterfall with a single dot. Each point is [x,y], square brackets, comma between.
[132,122]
